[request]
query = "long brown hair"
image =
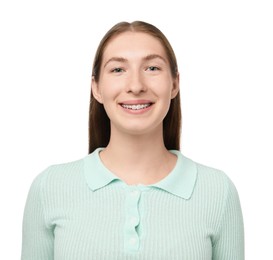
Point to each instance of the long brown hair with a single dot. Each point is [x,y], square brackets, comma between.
[99,122]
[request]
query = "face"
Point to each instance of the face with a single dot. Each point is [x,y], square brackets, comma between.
[135,85]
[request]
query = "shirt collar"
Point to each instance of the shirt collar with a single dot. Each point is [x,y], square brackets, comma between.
[180,181]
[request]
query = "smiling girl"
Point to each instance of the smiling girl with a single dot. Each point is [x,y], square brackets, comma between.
[135,195]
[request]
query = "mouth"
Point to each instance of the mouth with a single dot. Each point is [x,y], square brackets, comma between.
[136,106]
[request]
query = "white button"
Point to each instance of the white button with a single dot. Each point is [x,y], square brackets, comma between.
[133,220]
[135,193]
[133,241]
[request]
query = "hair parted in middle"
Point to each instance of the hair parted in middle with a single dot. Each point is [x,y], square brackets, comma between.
[99,122]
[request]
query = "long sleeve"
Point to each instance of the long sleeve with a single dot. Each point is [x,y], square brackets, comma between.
[37,238]
[229,244]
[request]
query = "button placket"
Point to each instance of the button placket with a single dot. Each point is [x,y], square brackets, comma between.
[132,241]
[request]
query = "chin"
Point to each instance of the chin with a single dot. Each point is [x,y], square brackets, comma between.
[141,129]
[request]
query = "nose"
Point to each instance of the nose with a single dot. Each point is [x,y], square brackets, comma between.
[136,84]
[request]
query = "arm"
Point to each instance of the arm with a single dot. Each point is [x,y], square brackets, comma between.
[37,239]
[229,243]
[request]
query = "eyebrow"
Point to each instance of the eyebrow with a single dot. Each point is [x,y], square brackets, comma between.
[119,59]
[146,58]
[154,56]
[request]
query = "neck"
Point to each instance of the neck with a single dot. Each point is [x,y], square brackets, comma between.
[138,158]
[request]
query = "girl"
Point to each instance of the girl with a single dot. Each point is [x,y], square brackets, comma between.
[135,195]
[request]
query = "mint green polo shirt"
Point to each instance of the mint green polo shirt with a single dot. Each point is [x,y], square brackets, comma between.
[81,210]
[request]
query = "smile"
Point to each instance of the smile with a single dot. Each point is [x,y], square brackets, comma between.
[136,106]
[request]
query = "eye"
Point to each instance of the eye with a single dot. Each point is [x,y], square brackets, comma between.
[153,68]
[117,70]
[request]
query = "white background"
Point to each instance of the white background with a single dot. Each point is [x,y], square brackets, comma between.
[225,57]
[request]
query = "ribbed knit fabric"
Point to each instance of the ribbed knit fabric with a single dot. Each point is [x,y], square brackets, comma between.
[81,211]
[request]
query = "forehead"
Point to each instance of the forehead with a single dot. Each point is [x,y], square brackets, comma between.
[133,44]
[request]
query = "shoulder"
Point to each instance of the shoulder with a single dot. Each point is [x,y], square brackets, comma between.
[207,177]
[212,176]
[214,182]
[57,175]
[59,185]
[215,189]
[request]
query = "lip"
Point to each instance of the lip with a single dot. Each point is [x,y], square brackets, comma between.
[136,102]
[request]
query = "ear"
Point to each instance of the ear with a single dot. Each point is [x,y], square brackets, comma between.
[176,87]
[95,90]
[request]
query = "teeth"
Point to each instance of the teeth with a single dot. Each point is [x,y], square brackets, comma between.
[136,106]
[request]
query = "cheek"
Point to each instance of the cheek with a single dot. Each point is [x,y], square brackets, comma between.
[163,89]
[108,92]
[110,88]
